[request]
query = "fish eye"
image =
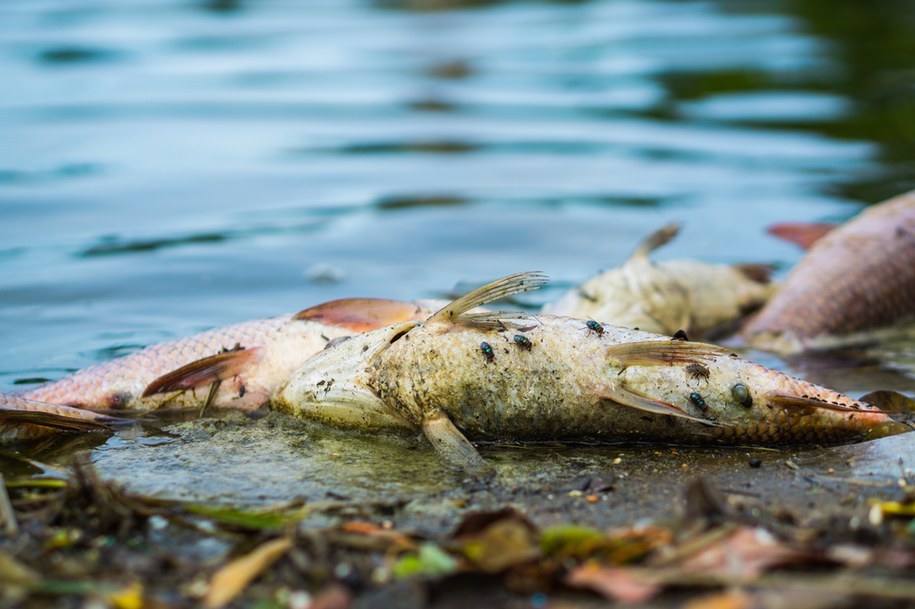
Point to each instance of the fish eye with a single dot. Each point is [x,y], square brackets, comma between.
[741,395]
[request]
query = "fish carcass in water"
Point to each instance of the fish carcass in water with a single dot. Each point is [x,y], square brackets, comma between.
[236,366]
[510,376]
[857,278]
[22,419]
[664,297]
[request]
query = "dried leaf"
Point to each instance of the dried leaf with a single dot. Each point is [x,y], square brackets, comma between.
[476,522]
[501,545]
[14,573]
[613,583]
[333,596]
[745,553]
[234,577]
[732,599]
[372,530]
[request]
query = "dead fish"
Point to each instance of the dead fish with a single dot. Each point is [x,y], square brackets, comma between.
[855,279]
[463,374]
[664,297]
[22,419]
[236,366]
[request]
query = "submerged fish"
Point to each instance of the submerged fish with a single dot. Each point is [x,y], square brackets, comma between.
[512,376]
[857,278]
[22,419]
[236,366]
[664,297]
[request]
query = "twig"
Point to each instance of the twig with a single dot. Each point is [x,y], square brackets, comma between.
[7,515]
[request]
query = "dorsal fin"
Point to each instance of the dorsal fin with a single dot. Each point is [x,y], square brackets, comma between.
[655,240]
[803,234]
[202,372]
[457,310]
[361,314]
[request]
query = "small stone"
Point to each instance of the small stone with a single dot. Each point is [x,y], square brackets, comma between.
[755,463]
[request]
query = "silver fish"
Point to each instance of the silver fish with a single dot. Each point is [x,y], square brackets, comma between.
[512,376]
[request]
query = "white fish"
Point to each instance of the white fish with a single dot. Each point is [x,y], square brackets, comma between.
[513,376]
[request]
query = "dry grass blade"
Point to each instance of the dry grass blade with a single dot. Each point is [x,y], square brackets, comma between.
[233,578]
[8,522]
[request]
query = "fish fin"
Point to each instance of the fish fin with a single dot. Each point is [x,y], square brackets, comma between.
[759,272]
[802,234]
[211,394]
[204,371]
[360,314]
[655,240]
[660,352]
[457,310]
[891,402]
[55,421]
[450,443]
[499,320]
[626,397]
[795,401]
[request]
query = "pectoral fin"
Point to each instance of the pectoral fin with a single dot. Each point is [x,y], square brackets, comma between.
[361,314]
[795,401]
[450,443]
[626,397]
[203,372]
[457,311]
[660,352]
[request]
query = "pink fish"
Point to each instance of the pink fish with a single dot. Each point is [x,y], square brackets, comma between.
[235,366]
[856,278]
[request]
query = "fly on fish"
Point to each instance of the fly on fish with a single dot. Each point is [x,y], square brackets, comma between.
[566,382]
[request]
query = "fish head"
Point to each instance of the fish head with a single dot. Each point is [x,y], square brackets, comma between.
[335,385]
[719,395]
[751,403]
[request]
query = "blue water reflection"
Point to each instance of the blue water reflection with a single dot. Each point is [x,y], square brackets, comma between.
[170,166]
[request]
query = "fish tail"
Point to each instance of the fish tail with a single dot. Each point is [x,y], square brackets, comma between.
[655,240]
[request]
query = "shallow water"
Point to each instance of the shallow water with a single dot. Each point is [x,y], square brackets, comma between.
[167,167]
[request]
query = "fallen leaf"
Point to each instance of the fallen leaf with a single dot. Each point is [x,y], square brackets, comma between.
[476,522]
[130,597]
[431,561]
[501,545]
[746,552]
[732,599]
[234,577]
[334,596]
[570,540]
[14,573]
[613,583]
